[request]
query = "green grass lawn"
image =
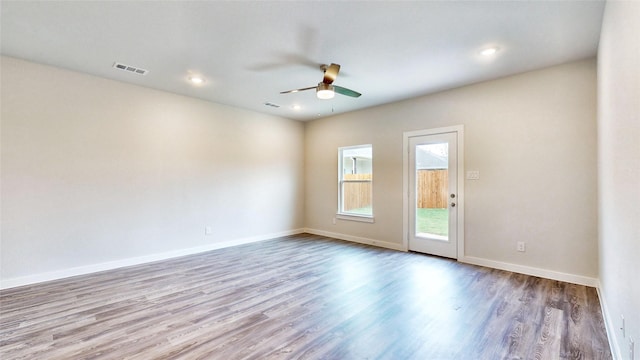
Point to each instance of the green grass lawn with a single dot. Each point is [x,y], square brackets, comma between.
[433,221]
[430,221]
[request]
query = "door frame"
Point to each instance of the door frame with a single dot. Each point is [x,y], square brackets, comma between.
[459,130]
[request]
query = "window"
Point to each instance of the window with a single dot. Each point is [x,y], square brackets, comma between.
[355,183]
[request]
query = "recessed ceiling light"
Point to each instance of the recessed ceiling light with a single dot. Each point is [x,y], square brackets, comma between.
[489,51]
[196,79]
[296,107]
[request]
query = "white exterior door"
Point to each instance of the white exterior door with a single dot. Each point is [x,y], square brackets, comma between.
[433,193]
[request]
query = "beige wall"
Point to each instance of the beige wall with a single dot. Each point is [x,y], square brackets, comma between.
[96,171]
[531,136]
[619,170]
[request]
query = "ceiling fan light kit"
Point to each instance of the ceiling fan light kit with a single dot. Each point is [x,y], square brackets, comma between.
[325,89]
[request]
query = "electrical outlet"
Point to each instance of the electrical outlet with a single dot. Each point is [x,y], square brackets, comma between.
[522,246]
[208,230]
[333,221]
[622,327]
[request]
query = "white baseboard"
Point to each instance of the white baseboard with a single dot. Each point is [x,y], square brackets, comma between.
[544,273]
[356,239]
[527,270]
[110,265]
[616,352]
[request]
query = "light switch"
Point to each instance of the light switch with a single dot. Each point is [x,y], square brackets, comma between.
[473,175]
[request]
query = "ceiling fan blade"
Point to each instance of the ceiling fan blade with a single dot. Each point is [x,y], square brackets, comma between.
[296,90]
[331,73]
[345,91]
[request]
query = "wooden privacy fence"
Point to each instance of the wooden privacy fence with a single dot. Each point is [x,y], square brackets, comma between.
[433,189]
[356,194]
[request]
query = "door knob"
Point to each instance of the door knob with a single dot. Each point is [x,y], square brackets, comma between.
[453,195]
[453,204]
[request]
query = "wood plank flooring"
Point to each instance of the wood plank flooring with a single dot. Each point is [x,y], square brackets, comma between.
[302,297]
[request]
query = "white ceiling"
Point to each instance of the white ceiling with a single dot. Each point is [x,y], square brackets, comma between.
[250,51]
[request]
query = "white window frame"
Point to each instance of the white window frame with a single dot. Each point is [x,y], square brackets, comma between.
[345,215]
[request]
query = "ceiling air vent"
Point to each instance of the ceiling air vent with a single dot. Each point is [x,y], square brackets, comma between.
[129,68]
[272,105]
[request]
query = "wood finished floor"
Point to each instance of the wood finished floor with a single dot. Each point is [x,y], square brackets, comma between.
[302,297]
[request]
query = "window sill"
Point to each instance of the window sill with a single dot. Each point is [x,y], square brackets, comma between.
[352,217]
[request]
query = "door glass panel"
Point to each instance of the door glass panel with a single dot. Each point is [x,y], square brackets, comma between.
[432,191]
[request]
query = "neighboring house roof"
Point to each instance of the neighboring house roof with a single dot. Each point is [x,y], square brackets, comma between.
[429,161]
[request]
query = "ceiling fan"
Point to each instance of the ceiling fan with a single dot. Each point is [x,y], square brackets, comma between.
[326,89]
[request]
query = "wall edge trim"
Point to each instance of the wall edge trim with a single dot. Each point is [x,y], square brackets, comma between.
[533,271]
[609,326]
[356,239]
[138,260]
